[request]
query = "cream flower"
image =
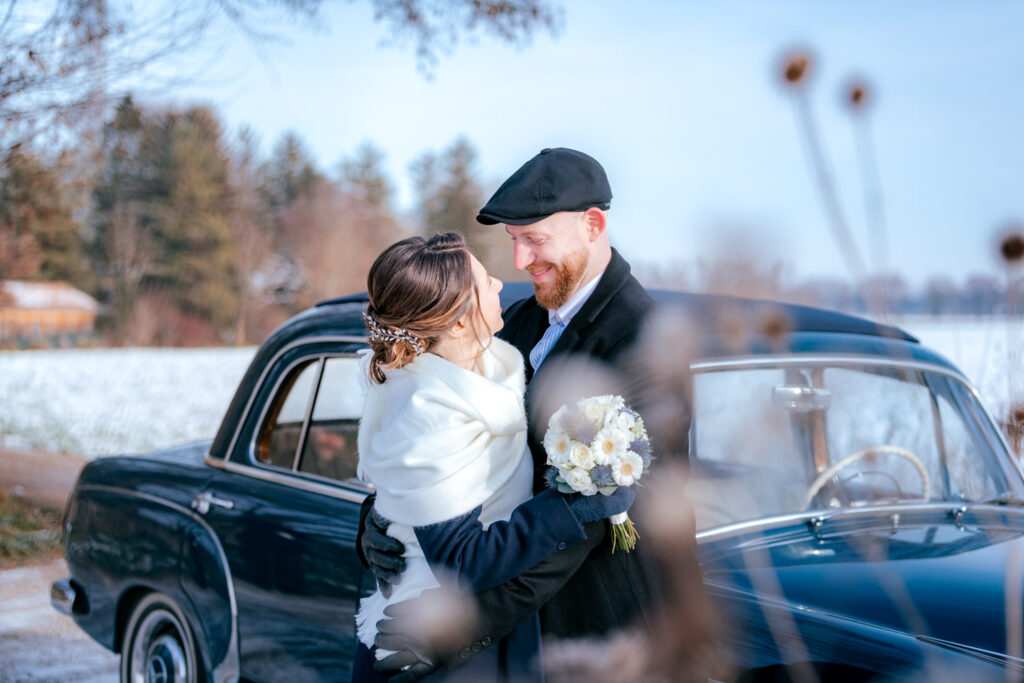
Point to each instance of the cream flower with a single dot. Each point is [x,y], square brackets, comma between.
[593,410]
[608,445]
[558,420]
[622,420]
[557,445]
[627,469]
[579,480]
[581,455]
[638,428]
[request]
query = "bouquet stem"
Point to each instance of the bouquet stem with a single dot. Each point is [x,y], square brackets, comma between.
[623,532]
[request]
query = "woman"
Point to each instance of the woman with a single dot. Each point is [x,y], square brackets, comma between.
[443,440]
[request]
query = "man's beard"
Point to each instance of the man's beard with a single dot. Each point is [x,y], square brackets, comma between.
[568,276]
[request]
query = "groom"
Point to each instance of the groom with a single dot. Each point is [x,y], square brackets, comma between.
[586,303]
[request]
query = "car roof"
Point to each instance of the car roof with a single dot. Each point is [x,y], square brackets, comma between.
[724,327]
[711,308]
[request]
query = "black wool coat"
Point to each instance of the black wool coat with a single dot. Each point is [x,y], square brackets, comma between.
[584,589]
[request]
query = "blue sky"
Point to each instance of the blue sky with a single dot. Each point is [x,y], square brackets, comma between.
[680,101]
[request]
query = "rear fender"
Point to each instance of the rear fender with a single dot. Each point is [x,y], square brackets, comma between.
[122,544]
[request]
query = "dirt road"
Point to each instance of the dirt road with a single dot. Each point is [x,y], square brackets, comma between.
[38,643]
[43,477]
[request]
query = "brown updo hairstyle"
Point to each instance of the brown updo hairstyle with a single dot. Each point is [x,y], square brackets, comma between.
[422,286]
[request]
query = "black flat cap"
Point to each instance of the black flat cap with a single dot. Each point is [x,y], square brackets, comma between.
[557,179]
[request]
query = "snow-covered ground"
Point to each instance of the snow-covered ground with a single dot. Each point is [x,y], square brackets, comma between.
[990,351]
[104,401]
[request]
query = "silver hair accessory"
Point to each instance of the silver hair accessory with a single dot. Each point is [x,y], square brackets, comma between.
[386,334]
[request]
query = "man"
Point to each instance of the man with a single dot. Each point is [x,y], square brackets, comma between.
[587,303]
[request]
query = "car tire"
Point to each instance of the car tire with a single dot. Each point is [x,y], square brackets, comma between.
[158,646]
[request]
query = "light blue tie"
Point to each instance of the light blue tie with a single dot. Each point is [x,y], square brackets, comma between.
[543,347]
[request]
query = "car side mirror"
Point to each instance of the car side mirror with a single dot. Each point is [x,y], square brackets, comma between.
[801,399]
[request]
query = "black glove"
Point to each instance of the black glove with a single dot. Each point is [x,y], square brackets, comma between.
[382,552]
[598,506]
[413,658]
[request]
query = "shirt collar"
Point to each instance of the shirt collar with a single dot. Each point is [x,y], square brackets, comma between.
[575,303]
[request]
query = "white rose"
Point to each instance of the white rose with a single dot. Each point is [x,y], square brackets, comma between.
[557,421]
[626,469]
[622,420]
[609,444]
[557,445]
[578,480]
[593,410]
[580,455]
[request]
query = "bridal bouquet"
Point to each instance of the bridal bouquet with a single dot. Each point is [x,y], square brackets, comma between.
[594,447]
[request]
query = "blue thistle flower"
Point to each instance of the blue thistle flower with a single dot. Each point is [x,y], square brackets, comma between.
[642,447]
[584,432]
[602,475]
[551,477]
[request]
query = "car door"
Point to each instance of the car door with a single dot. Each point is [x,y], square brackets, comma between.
[286,509]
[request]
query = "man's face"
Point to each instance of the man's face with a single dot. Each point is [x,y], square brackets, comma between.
[556,253]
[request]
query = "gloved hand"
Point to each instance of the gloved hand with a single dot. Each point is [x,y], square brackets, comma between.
[382,552]
[413,657]
[598,506]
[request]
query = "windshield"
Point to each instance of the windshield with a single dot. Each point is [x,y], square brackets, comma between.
[775,440]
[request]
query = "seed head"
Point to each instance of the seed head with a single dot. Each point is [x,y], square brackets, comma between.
[1011,248]
[775,325]
[858,95]
[795,67]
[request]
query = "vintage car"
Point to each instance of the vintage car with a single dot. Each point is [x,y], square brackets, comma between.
[858,512]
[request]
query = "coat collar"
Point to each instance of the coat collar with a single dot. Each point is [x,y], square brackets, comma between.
[535,317]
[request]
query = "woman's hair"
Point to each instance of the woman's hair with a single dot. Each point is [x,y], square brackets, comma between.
[419,288]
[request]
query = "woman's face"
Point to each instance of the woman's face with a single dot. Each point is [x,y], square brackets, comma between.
[487,289]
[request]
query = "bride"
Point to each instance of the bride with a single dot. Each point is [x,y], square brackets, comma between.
[443,441]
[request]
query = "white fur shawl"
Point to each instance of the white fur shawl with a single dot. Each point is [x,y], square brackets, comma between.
[436,440]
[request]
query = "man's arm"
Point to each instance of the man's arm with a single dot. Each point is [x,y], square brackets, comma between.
[500,609]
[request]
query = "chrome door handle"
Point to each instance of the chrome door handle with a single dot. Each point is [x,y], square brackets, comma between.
[204,499]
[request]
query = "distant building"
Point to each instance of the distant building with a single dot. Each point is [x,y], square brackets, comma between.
[51,313]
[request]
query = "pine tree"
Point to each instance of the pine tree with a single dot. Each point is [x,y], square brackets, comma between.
[123,247]
[450,197]
[194,220]
[38,238]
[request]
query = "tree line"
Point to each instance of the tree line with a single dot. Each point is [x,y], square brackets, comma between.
[189,236]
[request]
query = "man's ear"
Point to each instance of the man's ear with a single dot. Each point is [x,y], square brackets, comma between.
[596,222]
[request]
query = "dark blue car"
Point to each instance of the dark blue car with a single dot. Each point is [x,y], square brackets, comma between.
[858,512]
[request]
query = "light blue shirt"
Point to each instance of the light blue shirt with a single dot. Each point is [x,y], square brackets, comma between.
[559,319]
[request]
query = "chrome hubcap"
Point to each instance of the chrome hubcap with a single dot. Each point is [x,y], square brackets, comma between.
[165,662]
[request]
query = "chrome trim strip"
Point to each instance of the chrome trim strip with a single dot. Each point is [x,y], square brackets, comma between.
[827,515]
[988,655]
[828,358]
[229,669]
[289,478]
[344,339]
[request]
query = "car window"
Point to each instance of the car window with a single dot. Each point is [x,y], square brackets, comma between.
[967,481]
[870,410]
[770,441]
[330,446]
[278,439]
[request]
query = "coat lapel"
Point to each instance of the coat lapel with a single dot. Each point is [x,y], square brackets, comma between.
[613,279]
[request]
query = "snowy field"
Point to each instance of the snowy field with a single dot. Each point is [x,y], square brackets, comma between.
[990,351]
[105,401]
[98,402]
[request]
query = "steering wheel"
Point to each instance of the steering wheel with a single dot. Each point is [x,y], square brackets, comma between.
[818,483]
